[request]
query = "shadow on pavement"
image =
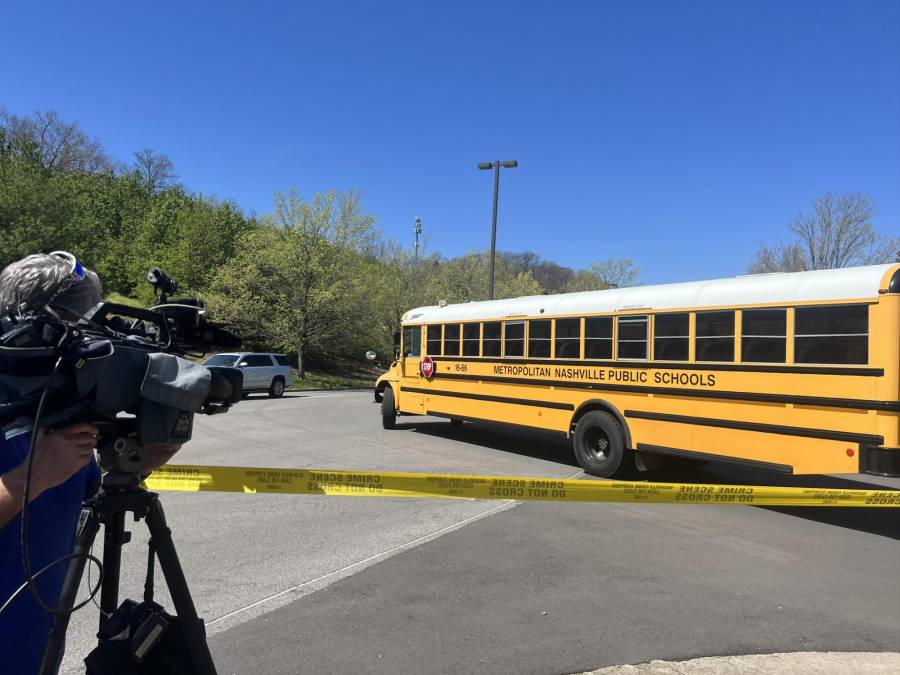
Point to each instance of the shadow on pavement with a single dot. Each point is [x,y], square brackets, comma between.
[528,444]
[263,396]
[878,521]
[883,522]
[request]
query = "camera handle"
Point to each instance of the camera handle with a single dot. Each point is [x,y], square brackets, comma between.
[119,494]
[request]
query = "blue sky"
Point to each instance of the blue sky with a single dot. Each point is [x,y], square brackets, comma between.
[677,134]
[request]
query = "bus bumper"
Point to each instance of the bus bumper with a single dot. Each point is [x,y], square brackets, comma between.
[879,461]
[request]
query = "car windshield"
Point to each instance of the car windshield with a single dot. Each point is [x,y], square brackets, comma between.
[221,360]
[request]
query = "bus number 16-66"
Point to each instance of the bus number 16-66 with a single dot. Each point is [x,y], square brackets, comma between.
[462,367]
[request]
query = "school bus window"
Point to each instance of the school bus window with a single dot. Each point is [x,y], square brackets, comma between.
[433,340]
[764,335]
[568,338]
[451,339]
[715,336]
[491,340]
[514,338]
[598,337]
[412,341]
[671,336]
[632,342]
[837,334]
[471,338]
[539,339]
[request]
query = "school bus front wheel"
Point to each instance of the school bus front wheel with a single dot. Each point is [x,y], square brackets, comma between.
[388,408]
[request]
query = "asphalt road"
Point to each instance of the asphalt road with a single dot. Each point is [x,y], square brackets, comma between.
[333,585]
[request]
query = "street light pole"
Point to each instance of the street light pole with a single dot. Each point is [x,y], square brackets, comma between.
[494,229]
[508,164]
[418,231]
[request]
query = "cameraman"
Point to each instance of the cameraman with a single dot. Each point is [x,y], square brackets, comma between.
[64,471]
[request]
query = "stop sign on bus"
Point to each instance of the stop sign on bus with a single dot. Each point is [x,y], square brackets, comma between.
[427,366]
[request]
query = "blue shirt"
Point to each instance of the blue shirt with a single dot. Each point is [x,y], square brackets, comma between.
[52,519]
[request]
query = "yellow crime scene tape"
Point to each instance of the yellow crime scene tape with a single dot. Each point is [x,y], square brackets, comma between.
[187,478]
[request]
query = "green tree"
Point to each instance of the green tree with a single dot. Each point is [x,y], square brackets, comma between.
[42,211]
[399,281]
[300,281]
[465,279]
[188,235]
[603,274]
[553,278]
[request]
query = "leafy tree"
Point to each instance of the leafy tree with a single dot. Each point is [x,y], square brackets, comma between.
[399,281]
[553,278]
[465,278]
[516,286]
[117,209]
[188,235]
[299,282]
[603,274]
[43,211]
[836,232]
[314,277]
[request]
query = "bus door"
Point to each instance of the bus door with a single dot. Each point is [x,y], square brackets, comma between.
[410,362]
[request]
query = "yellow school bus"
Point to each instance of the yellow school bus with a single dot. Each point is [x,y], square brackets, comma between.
[798,373]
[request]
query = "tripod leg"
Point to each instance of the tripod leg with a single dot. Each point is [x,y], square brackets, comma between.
[178,588]
[56,641]
[114,536]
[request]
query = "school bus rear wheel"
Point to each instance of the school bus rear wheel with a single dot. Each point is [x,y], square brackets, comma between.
[599,445]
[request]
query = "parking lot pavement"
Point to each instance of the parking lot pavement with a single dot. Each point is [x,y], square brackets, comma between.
[244,555]
[561,588]
[465,586]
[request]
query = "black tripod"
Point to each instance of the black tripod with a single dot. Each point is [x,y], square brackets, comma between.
[120,494]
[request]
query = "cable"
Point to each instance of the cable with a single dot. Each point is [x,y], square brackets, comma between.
[99,583]
[97,588]
[26,557]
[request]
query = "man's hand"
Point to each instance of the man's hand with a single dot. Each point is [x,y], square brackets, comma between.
[58,455]
[157,454]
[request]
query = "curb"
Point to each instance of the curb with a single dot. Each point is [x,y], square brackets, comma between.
[846,663]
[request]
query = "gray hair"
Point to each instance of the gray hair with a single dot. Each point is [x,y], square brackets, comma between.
[35,281]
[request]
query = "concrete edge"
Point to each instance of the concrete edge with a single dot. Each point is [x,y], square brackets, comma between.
[784,663]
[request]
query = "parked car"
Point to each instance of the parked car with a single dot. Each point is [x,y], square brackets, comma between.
[262,372]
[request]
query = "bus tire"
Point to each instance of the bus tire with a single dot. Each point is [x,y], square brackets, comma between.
[455,422]
[599,445]
[388,409]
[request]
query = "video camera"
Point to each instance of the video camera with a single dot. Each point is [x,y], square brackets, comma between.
[118,367]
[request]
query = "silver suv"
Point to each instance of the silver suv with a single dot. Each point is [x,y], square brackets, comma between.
[262,372]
